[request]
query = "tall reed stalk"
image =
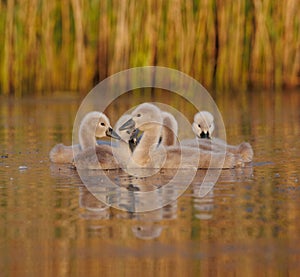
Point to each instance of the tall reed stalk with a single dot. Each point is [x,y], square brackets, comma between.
[73,44]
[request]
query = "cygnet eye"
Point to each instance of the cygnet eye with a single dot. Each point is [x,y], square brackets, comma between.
[138,115]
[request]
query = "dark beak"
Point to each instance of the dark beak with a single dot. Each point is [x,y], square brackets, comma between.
[134,134]
[129,124]
[204,135]
[134,139]
[111,133]
[132,145]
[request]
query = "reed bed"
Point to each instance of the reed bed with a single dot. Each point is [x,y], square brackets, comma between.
[73,44]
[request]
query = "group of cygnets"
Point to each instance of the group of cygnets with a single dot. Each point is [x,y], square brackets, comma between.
[147,138]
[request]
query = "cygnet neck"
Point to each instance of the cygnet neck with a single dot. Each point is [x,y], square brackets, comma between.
[149,139]
[168,137]
[87,135]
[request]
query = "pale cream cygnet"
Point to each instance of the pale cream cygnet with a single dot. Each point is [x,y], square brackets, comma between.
[94,124]
[203,127]
[106,156]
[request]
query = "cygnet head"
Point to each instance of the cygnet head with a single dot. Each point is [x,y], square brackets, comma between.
[104,129]
[130,135]
[124,134]
[95,124]
[203,125]
[143,118]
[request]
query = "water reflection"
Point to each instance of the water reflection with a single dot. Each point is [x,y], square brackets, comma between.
[93,208]
[136,194]
[146,225]
[203,192]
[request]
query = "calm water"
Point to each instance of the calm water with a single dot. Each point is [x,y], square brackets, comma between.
[248,225]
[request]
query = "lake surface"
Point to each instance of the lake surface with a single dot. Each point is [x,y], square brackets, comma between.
[247,225]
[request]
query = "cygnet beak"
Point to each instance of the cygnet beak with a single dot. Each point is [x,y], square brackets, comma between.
[134,139]
[129,124]
[111,133]
[134,134]
[204,135]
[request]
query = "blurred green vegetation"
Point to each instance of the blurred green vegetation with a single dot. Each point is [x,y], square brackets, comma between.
[73,44]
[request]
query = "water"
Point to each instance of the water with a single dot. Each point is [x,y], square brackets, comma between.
[249,224]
